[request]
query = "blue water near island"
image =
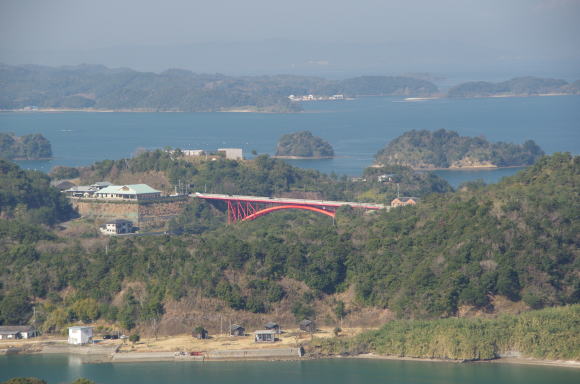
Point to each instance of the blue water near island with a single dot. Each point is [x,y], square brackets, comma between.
[357,129]
[64,369]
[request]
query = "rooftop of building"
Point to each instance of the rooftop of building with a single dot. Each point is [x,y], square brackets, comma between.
[7,329]
[129,189]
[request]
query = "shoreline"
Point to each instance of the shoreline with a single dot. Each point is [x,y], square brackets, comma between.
[111,354]
[500,360]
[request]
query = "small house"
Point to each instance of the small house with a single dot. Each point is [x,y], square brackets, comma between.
[271,326]
[80,335]
[237,330]
[117,227]
[307,325]
[11,332]
[403,201]
[265,336]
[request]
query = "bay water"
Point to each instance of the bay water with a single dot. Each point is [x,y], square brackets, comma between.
[356,129]
[57,369]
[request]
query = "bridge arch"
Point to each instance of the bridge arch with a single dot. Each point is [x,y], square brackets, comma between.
[280,207]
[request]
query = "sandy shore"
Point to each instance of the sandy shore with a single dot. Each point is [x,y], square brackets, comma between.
[503,360]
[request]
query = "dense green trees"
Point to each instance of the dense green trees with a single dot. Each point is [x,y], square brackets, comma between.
[27,196]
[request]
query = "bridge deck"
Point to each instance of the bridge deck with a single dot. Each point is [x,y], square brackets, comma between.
[282,200]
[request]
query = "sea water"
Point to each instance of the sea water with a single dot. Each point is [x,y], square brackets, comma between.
[64,369]
[356,129]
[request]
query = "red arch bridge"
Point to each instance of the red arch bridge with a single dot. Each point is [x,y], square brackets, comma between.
[245,208]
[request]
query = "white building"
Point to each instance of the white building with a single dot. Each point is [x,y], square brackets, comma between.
[193,152]
[10,332]
[80,335]
[131,191]
[232,153]
[116,227]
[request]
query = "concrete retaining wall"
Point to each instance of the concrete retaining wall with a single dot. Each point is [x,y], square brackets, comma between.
[255,353]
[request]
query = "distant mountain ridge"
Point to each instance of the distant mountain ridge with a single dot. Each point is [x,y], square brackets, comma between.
[96,87]
[519,86]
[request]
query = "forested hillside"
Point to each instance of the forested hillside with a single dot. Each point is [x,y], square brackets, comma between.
[517,239]
[101,88]
[446,149]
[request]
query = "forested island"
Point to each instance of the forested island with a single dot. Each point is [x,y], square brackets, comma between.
[519,86]
[446,149]
[305,145]
[93,87]
[26,147]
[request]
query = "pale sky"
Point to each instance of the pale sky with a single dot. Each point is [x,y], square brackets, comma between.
[310,36]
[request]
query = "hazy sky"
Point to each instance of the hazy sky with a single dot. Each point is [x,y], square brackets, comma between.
[325,36]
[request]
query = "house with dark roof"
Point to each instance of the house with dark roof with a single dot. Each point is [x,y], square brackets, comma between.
[272,326]
[11,332]
[307,325]
[237,330]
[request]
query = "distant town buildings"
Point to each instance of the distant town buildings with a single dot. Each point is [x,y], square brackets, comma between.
[12,332]
[80,335]
[315,98]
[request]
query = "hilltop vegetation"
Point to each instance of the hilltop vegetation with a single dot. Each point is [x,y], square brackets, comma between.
[27,147]
[101,88]
[446,149]
[303,144]
[453,252]
[519,86]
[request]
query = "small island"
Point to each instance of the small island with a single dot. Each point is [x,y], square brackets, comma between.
[27,147]
[445,149]
[303,145]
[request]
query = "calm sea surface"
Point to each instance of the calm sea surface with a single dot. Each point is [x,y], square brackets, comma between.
[64,369]
[357,129]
